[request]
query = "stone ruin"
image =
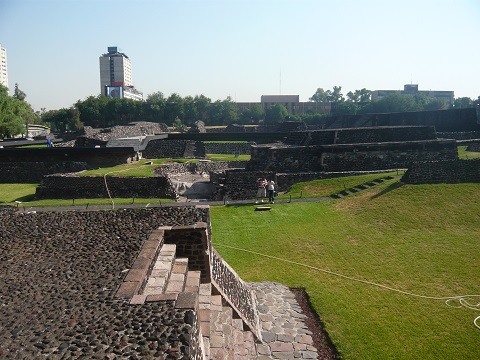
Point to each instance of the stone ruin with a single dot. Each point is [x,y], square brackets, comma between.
[136,284]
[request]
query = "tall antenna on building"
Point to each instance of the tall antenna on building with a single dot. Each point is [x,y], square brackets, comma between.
[280,81]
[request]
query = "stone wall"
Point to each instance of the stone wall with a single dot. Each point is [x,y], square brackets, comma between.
[68,186]
[362,135]
[474,146]
[92,156]
[450,172]
[452,120]
[284,181]
[234,289]
[193,243]
[169,169]
[355,157]
[33,172]
[161,148]
[464,135]
[227,148]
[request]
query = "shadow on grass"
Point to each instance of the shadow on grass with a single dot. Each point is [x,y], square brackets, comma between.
[389,188]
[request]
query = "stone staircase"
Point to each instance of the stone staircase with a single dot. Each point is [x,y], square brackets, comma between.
[358,188]
[166,277]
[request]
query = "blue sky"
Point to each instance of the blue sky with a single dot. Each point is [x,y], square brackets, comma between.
[243,49]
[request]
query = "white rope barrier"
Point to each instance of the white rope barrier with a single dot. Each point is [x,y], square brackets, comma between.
[464,301]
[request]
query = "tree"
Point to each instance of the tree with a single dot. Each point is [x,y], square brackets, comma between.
[345,108]
[276,114]
[19,94]
[14,114]
[336,95]
[154,107]
[65,119]
[178,125]
[174,108]
[190,110]
[463,102]
[393,103]
[202,104]
[321,96]
[362,96]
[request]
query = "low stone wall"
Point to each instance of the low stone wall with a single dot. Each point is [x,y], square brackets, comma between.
[464,135]
[191,242]
[162,148]
[449,172]
[369,135]
[354,157]
[68,186]
[33,172]
[198,167]
[285,181]
[234,289]
[227,148]
[240,184]
[474,147]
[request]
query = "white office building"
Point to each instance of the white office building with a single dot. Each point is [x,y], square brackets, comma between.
[116,75]
[3,66]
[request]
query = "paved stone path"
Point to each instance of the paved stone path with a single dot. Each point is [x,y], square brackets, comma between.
[284,332]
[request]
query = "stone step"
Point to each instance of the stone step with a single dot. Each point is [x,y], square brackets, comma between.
[192,283]
[227,338]
[161,271]
[176,281]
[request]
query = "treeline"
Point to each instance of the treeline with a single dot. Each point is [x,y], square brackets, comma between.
[181,112]
[15,113]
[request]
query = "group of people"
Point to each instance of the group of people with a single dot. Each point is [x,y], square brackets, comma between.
[265,189]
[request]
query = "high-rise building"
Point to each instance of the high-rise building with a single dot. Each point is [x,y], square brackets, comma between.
[3,67]
[116,75]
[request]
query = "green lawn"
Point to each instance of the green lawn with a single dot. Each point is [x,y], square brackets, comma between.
[464,154]
[142,168]
[421,239]
[328,187]
[22,195]
[228,157]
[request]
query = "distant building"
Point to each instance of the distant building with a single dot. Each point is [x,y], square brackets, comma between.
[3,67]
[412,89]
[291,102]
[116,75]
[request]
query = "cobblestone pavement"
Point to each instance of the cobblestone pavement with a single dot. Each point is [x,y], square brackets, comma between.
[284,332]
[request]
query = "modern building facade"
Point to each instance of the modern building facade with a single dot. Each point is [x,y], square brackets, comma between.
[412,89]
[3,66]
[116,75]
[291,102]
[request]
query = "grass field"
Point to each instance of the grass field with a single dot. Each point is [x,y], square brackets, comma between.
[421,239]
[464,154]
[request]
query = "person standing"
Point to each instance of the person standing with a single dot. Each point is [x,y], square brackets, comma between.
[261,189]
[271,191]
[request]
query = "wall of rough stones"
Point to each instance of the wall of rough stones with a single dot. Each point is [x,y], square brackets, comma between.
[227,148]
[230,284]
[474,147]
[452,120]
[33,171]
[450,172]
[239,183]
[197,167]
[69,186]
[161,148]
[374,135]
[356,157]
[60,271]
[193,243]
[464,135]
